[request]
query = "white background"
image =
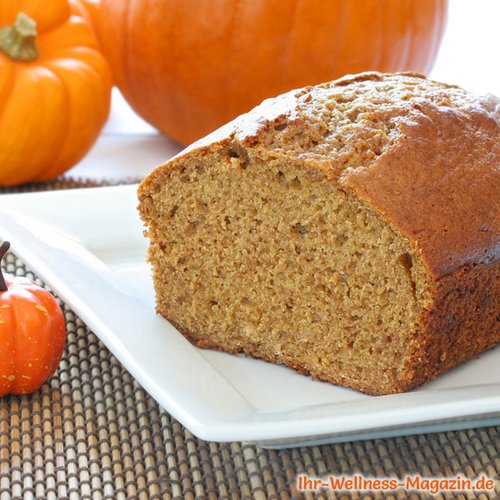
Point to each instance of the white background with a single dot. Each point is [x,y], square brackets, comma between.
[469,56]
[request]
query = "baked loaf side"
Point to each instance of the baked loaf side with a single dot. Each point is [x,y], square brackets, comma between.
[349,230]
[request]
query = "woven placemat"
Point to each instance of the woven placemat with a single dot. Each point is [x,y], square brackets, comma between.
[92,432]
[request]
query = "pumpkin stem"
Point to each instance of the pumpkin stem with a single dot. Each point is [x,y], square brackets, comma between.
[3,250]
[18,40]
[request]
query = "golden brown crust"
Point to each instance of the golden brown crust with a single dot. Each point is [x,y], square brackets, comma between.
[439,184]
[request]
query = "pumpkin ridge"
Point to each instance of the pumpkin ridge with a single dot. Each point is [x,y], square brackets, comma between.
[411,38]
[399,58]
[74,53]
[174,95]
[72,33]
[16,325]
[128,82]
[125,62]
[343,36]
[20,326]
[285,60]
[377,64]
[383,47]
[230,57]
[47,301]
[47,29]
[438,31]
[392,60]
[39,177]
[339,30]
[10,328]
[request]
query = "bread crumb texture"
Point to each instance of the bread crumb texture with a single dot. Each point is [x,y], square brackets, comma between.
[348,230]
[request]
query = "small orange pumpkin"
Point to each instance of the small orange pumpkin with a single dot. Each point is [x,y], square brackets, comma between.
[55,89]
[188,66]
[32,334]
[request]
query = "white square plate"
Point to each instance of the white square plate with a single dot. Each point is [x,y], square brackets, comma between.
[88,245]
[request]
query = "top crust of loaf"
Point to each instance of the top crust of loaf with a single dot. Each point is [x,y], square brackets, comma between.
[430,156]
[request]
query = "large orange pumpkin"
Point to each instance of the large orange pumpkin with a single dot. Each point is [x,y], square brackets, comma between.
[187,66]
[55,88]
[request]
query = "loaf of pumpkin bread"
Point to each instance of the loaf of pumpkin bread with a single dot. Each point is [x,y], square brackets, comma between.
[349,230]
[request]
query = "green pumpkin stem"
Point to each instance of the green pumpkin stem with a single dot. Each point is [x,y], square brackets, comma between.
[3,250]
[18,41]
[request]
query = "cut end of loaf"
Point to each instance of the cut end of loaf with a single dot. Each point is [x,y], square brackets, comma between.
[270,258]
